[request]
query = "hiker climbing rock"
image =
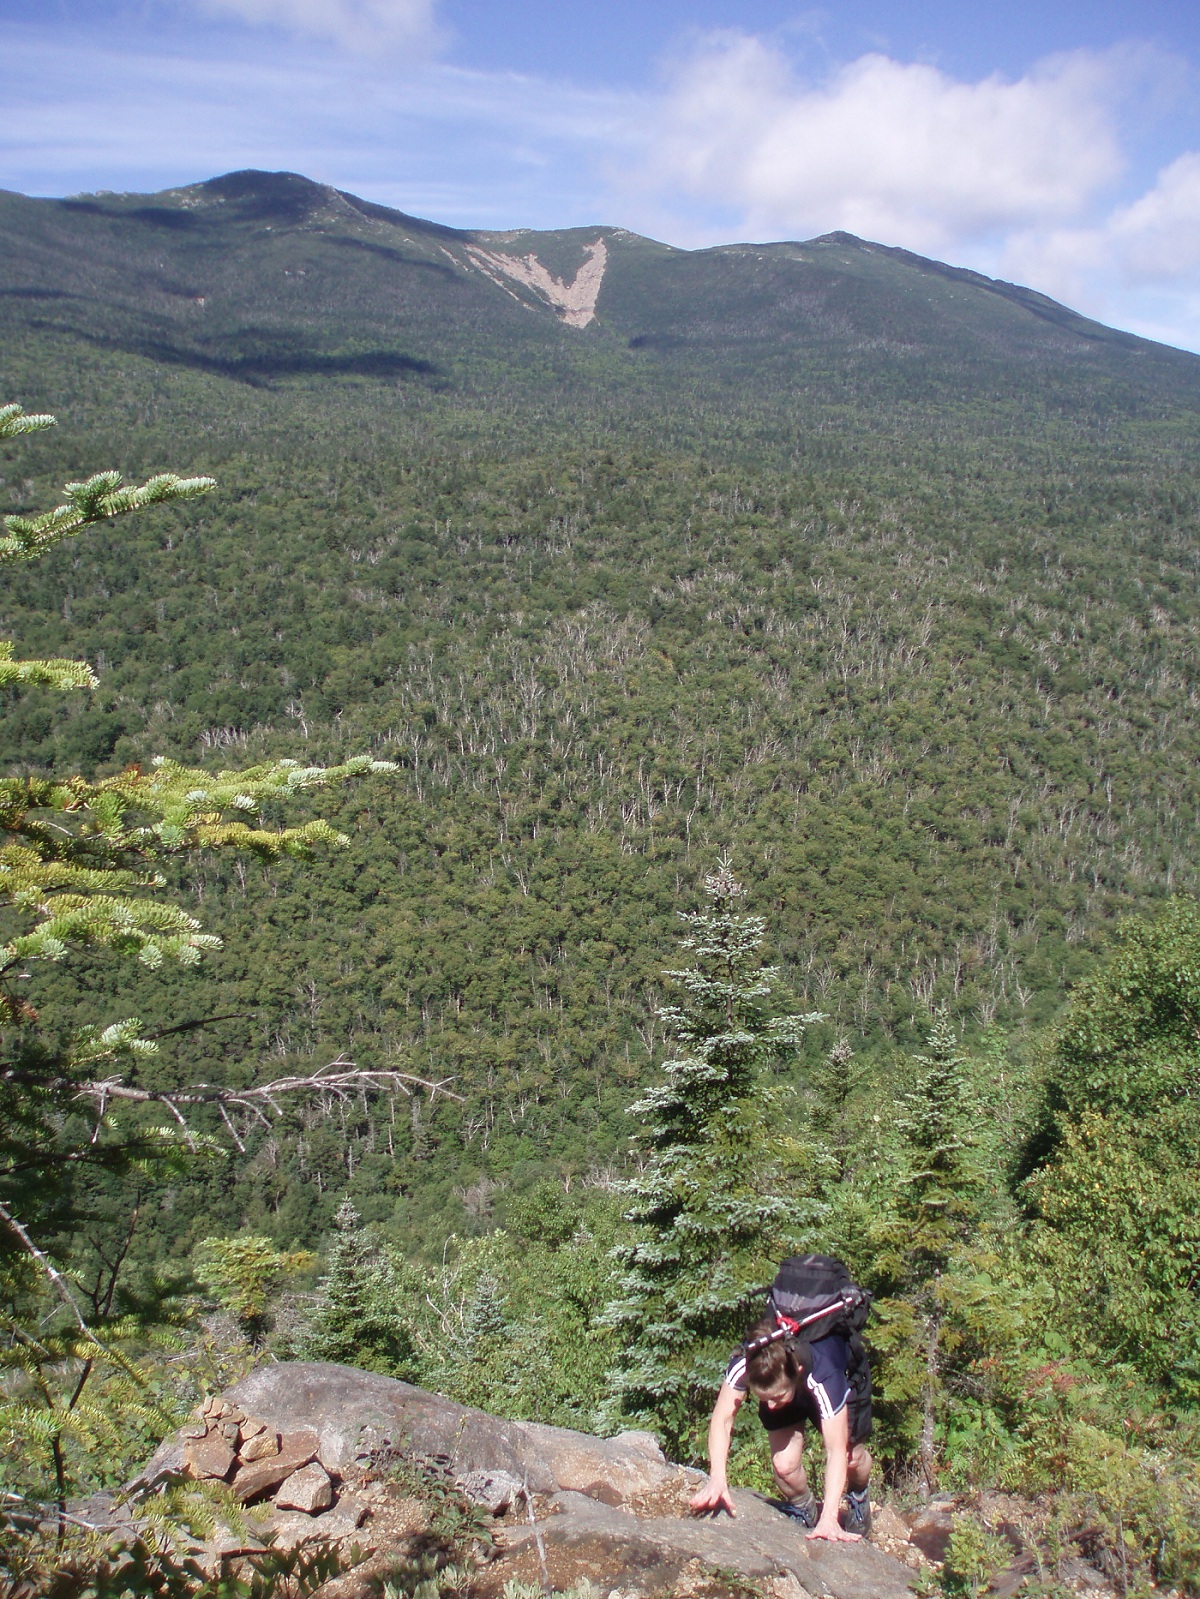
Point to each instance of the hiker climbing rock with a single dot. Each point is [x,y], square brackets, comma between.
[804,1361]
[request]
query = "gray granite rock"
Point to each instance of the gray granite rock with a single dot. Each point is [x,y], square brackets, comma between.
[308,1489]
[354,1412]
[758,1542]
[599,1488]
[493,1491]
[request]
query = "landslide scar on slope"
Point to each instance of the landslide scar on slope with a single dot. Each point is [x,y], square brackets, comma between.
[575,302]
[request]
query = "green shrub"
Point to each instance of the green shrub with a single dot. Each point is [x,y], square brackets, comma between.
[974,1555]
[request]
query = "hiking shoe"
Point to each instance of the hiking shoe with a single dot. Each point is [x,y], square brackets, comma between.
[856,1517]
[806,1513]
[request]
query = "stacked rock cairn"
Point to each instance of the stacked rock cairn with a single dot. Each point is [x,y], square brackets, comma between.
[221,1443]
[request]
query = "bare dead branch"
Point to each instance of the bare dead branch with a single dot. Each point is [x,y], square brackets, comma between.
[57,1281]
[341,1080]
[183,1126]
[39,1512]
[339,1083]
[241,1148]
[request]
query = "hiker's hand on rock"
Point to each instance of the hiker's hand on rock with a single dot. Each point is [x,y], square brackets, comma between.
[833,1532]
[713,1496]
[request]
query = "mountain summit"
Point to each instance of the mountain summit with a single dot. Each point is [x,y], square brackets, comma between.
[261,276]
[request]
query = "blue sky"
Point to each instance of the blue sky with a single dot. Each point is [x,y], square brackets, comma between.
[1056,144]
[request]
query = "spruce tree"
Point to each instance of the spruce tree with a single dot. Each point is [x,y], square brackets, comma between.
[358,1320]
[486,1320]
[927,1246]
[709,1216]
[937,1201]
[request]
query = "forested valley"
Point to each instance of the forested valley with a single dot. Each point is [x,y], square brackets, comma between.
[843,601]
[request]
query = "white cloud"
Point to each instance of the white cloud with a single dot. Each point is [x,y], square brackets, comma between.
[890,150]
[355,24]
[469,148]
[1019,178]
[1153,242]
[1157,238]
[1137,265]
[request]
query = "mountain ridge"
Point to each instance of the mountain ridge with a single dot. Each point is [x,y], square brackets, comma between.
[652,297]
[257,182]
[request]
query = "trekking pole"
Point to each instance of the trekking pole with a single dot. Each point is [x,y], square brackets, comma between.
[788,1328]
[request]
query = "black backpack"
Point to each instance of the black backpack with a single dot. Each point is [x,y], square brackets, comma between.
[814,1295]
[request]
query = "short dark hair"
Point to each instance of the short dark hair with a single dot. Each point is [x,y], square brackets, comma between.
[782,1360]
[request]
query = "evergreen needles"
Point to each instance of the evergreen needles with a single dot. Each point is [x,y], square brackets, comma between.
[710,1212]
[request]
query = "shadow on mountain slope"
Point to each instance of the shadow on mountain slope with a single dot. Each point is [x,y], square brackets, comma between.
[268,358]
[344,242]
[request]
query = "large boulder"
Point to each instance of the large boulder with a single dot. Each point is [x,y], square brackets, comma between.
[355,1413]
[615,1506]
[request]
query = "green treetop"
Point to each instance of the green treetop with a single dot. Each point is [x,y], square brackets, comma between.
[935,1205]
[710,1219]
[929,1259]
[359,1318]
[1117,1188]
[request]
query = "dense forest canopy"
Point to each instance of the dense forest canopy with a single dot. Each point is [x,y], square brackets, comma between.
[875,573]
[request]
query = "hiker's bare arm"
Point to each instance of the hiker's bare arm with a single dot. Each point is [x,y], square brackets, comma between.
[835,1431]
[715,1493]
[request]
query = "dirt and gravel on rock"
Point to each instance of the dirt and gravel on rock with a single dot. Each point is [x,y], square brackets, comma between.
[398,1479]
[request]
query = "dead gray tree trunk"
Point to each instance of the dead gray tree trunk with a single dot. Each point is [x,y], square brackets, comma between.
[929,1392]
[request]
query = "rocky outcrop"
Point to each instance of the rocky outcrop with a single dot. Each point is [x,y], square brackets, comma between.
[612,1509]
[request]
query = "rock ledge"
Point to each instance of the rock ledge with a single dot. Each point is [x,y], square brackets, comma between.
[612,1509]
